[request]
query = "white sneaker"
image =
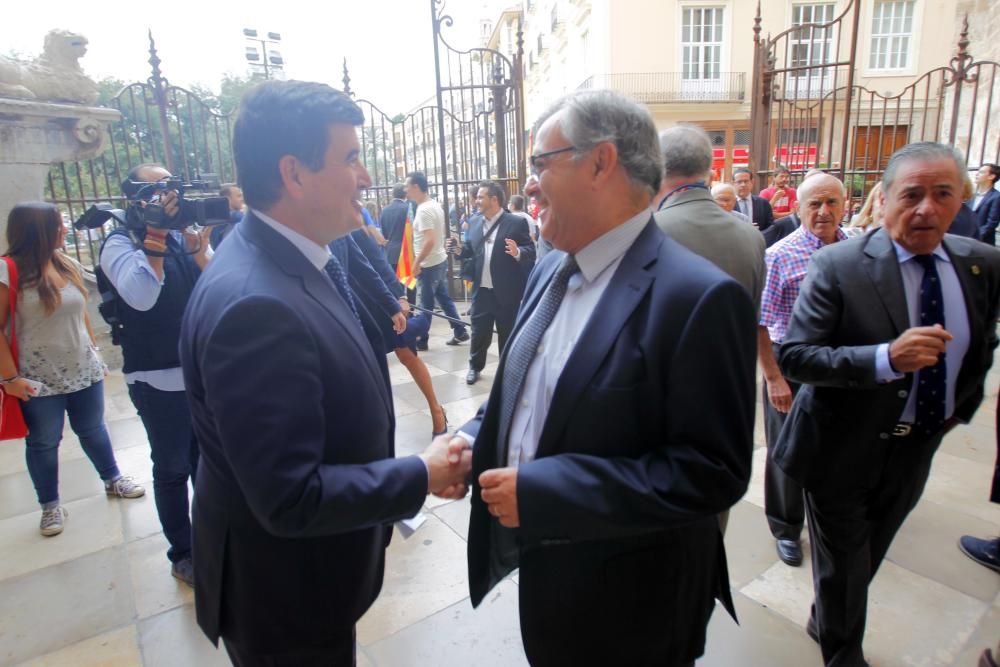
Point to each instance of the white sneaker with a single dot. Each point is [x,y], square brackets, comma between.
[124,487]
[52,521]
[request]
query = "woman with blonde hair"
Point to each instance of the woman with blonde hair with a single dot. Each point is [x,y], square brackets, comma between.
[58,371]
[870,215]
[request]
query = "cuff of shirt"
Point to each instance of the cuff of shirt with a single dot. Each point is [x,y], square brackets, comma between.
[883,369]
[468,438]
[142,261]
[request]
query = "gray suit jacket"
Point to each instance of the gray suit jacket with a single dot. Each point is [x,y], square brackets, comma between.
[851,301]
[693,219]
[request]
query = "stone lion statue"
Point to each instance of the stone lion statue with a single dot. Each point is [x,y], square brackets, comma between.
[55,76]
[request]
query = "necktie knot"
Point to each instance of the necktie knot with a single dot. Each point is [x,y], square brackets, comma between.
[926,261]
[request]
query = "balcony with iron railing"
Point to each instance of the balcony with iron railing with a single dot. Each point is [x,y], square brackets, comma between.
[667,87]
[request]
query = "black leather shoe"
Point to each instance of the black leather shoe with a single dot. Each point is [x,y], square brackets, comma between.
[421,346]
[471,376]
[811,630]
[459,339]
[790,552]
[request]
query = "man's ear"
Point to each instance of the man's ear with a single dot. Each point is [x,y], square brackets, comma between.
[291,175]
[605,161]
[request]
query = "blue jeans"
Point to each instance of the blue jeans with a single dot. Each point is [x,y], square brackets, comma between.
[432,284]
[44,417]
[174,451]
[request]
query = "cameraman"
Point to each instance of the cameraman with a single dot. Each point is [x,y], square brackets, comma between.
[153,271]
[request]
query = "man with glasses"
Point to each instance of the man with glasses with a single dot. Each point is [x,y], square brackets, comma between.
[620,422]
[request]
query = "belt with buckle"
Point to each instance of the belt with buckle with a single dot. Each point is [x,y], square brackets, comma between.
[902,429]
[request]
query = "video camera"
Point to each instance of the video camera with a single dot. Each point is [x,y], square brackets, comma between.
[144,208]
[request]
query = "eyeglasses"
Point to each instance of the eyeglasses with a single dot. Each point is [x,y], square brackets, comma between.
[537,162]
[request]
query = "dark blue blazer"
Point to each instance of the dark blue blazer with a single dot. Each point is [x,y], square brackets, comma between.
[965,223]
[988,216]
[297,486]
[393,223]
[648,438]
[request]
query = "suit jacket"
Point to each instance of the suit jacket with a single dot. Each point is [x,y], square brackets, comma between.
[297,486]
[647,438]
[693,219]
[781,229]
[987,216]
[509,275]
[393,223]
[965,223]
[851,301]
[763,215]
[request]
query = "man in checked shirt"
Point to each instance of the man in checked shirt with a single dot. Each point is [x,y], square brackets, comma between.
[821,207]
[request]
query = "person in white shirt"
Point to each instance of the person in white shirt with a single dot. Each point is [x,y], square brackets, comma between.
[431,265]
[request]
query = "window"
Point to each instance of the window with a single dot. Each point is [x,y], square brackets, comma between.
[701,43]
[892,30]
[811,46]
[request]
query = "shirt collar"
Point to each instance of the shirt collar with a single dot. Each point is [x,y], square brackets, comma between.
[495,217]
[814,241]
[602,252]
[316,254]
[904,255]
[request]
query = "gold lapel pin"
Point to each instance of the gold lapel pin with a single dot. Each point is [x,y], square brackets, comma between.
[975,269]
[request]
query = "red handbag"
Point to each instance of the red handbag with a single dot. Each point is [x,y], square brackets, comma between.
[12,424]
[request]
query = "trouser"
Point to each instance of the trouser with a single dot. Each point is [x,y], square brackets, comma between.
[487,311]
[783,503]
[342,654]
[432,284]
[172,447]
[44,417]
[850,530]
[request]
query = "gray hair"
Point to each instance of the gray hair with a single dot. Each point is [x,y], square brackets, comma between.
[924,151]
[805,187]
[719,188]
[594,117]
[687,151]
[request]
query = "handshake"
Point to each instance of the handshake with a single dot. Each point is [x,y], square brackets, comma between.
[449,462]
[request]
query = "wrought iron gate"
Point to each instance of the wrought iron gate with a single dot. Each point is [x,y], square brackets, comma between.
[808,111]
[159,123]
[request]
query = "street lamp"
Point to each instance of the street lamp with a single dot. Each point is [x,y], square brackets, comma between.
[268,61]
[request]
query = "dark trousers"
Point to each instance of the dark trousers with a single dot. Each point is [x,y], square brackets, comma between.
[342,654]
[850,530]
[783,504]
[487,311]
[174,450]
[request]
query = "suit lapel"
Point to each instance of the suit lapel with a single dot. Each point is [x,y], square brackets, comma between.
[882,267]
[320,288]
[628,286]
[968,268]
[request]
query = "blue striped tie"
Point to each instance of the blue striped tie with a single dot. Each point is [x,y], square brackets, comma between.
[932,380]
[339,278]
[525,347]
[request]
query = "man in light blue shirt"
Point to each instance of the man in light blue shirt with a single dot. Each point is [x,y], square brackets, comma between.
[153,272]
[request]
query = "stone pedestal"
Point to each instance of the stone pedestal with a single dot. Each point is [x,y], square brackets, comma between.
[33,136]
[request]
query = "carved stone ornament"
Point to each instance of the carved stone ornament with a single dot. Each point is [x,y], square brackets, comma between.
[55,76]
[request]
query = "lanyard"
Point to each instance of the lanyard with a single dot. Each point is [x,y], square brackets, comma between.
[688,186]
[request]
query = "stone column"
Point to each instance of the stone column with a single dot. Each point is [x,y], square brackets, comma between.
[33,136]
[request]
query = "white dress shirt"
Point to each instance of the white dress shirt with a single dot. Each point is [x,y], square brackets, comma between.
[745,206]
[487,279]
[956,321]
[316,254]
[598,263]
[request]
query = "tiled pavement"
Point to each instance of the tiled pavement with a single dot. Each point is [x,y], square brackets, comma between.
[101,594]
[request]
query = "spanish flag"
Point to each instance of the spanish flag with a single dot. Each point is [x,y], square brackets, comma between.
[404,269]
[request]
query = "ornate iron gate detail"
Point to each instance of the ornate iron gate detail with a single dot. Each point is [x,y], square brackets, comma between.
[473,128]
[160,123]
[808,112]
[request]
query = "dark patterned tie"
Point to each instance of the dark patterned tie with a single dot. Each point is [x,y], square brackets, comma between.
[525,346]
[339,278]
[931,386]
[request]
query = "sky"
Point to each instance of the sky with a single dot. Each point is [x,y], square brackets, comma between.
[387,43]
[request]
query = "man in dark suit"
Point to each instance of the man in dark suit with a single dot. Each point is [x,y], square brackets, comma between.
[619,425]
[754,207]
[986,202]
[782,228]
[502,255]
[298,486]
[393,221]
[891,337]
